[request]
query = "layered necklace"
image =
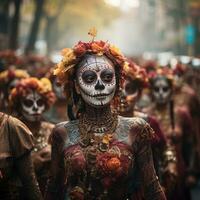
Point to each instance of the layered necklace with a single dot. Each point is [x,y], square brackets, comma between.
[97,131]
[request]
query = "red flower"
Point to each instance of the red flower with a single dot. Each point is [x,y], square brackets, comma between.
[80,48]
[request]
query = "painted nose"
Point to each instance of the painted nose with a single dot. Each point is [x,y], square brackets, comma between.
[99,86]
[35,107]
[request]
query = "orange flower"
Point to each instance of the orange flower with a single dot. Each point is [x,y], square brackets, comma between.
[99,47]
[80,48]
[113,164]
[116,52]
[106,139]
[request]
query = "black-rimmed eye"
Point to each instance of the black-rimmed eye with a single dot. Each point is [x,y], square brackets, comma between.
[156,89]
[40,102]
[165,89]
[107,75]
[28,102]
[89,76]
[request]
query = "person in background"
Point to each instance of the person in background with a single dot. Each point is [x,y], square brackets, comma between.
[28,100]
[17,176]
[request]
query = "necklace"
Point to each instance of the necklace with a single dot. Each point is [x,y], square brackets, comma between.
[97,132]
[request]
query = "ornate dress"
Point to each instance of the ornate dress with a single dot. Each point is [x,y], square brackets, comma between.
[89,163]
[17,177]
[180,139]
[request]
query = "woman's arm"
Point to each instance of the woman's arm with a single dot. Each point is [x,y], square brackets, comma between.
[144,159]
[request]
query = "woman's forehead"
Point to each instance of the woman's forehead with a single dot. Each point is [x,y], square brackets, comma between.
[95,63]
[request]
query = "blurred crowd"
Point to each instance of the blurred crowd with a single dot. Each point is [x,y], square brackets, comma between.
[165,94]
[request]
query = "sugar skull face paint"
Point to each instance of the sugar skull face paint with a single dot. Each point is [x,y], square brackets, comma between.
[97,80]
[161,90]
[130,93]
[33,106]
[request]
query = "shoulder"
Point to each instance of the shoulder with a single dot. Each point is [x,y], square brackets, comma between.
[137,127]
[21,138]
[18,126]
[62,131]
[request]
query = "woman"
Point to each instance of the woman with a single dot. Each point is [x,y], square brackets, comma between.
[17,177]
[176,124]
[30,98]
[98,155]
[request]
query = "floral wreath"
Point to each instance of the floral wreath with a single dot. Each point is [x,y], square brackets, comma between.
[136,72]
[72,56]
[42,86]
[9,75]
[162,71]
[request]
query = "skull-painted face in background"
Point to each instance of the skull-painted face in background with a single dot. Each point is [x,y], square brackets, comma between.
[161,90]
[96,80]
[130,94]
[33,106]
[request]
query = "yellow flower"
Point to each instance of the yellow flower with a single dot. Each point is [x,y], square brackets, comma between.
[93,32]
[66,51]
[46,85]
[115,51]
[106,138]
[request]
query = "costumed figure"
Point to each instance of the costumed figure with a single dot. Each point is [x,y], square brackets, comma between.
[29,100]
[8,80]
[192,79]
[17,176]
[97,155]
[136,80]
[176,125]
[58,111]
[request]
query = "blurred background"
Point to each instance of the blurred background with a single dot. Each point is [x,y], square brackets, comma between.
[136,26]
[152,33]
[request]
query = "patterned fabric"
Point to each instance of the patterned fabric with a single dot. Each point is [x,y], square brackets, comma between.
[77,170]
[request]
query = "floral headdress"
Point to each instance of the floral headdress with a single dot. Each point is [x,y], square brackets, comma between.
[72,56]
[180,69]
[162,71]
[42,86]
[136,72]
[9,75]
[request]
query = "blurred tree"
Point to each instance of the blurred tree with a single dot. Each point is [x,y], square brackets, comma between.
[39,5]
[4,23]
[14,29]
[60,20]
[52,11]
[80,15]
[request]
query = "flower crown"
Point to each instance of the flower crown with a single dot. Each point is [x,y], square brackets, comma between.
[42,86]
[136,72]
[8,75]
[162,71]
[72,56]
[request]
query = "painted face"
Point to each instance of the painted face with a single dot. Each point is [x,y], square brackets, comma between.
[161,91]
[58,89]
[130,94]
[96,80]
[33,106]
